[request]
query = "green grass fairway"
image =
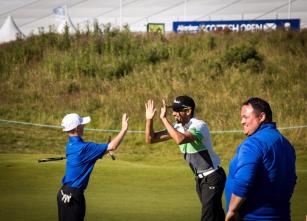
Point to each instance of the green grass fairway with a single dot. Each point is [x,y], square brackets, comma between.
[118,190]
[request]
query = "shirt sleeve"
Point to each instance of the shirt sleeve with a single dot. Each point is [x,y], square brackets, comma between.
[95,151]
[199,130]
[196,132]
[249,159]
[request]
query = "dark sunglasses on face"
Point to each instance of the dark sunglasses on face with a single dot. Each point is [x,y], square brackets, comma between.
[181,109]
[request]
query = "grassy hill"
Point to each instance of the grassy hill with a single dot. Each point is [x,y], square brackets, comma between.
[106,72]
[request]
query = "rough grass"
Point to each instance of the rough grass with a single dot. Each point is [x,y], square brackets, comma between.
[107,72]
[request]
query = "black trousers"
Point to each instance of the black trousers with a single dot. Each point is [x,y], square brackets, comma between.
[210,190]
[75,209]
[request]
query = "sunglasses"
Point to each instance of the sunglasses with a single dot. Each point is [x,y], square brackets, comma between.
[179,109]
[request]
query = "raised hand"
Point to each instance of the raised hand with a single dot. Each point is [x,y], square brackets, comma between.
[163,109]
[150,110]
[125,120]
[113,145]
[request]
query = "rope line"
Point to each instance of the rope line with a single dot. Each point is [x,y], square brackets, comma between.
[135,131]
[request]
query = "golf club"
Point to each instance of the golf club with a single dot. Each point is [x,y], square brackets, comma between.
[51,159]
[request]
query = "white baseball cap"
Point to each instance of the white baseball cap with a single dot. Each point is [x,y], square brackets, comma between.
[71,121]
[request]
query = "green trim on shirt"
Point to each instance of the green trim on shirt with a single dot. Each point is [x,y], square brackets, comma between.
[196,145]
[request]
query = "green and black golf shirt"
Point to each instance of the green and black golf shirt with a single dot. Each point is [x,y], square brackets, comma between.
[199,154]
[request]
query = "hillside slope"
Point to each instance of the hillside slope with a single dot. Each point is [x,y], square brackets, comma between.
[106,73]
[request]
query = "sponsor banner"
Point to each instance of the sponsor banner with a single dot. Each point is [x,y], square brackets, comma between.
[236,25]
[156,27]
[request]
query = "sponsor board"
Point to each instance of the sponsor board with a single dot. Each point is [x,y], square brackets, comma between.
[236,25]
[156,27]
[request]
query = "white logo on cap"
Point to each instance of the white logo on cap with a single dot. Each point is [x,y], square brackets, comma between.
[176,102]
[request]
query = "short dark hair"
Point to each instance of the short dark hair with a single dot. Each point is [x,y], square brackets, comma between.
[259,106]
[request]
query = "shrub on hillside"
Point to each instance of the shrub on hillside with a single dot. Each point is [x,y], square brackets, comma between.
[46,39]
[156,54]
[289,42]
[245,57]
[87,69]
[211,43]
[97,39]
[116,70]
[118,42]
[65,40]
[97,44]
[209,67]
[73,87]
[32,52]
[215,68]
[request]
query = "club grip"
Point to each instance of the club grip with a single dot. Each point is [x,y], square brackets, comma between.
[112,156]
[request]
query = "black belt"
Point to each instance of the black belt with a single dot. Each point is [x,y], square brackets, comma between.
[72,190]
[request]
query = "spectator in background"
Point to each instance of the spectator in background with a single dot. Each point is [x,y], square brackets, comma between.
[262,174]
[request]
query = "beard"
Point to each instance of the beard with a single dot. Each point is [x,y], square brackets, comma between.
[178,121]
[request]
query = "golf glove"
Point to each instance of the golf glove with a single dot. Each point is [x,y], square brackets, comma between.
[65,197]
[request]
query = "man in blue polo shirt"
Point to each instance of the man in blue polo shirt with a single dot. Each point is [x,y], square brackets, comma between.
[81,158]
[262,174]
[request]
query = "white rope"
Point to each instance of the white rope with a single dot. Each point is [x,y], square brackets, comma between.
[53,126]
[135,131]
[301,171]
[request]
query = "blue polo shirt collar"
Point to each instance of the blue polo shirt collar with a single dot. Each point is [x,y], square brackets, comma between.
[271,125]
